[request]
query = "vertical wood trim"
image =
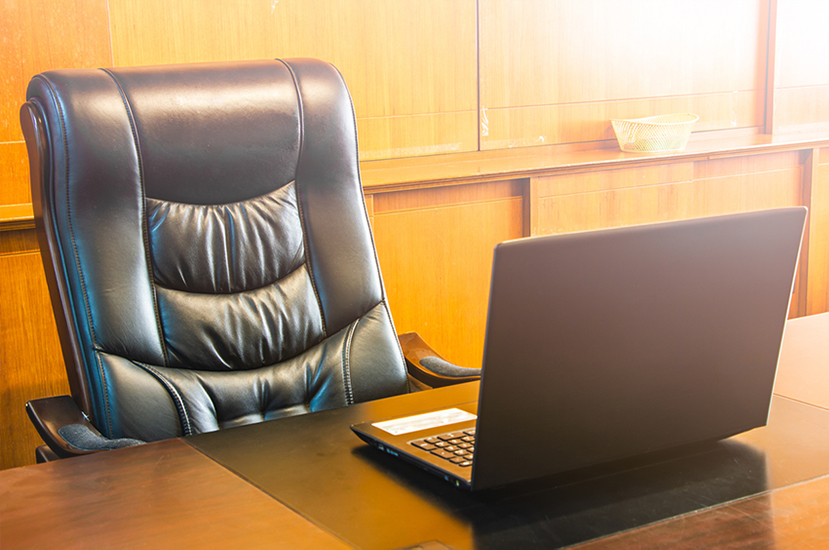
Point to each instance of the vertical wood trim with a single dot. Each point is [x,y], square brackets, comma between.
[771,75]
[531,207]
[810,168]
[478,72]
[370,209]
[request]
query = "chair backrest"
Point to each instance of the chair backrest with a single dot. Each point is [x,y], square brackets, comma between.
[207,245]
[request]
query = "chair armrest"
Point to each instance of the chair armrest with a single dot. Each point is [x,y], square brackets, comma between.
[50,414]
[427,366]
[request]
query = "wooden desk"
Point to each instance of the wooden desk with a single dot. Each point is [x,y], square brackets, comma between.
[160,495]
[769,486]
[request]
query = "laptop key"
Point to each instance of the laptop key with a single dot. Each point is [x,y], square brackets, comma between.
[465,463]
[443,454]
[458,459]
[431,440]
[425,446]
[470,431]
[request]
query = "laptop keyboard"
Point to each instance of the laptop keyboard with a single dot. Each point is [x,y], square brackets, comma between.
[456,447]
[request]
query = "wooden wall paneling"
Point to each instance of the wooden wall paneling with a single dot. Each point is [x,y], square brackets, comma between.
[37,36]
[14,174]
[31,364]
[801,95]
[410,64]
[580,62]
[611,198]
[572,123]
[818,279]
[802,109]
[435,248]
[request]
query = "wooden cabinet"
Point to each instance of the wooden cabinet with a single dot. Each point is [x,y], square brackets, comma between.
[435,226]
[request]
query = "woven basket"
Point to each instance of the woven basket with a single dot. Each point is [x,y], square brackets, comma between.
[654,134]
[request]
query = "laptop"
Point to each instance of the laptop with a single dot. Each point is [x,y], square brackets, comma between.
[608,344]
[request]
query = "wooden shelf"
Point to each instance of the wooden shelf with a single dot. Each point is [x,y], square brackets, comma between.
[397,174]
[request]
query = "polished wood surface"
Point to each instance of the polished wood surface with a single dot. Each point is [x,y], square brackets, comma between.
[789,518]
[160,495]
[14,174]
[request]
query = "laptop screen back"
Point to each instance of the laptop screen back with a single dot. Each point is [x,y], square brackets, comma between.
[619,342]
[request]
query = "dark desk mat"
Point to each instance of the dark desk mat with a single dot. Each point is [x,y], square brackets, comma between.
[315,465]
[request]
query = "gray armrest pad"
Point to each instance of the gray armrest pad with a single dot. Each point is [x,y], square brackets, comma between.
[445,368]
[82,438]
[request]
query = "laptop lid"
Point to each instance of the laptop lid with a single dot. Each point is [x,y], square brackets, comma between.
[607,344]
[612,343]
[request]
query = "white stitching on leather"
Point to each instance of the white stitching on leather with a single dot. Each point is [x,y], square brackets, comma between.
[349,392]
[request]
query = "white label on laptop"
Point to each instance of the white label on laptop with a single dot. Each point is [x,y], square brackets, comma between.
[409,424]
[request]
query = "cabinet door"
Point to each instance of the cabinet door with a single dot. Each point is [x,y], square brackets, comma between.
[435,249]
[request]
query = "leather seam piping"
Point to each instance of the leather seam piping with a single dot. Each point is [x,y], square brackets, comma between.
[299,200]
[144,231]
[349,392]
[397,341]
[75,254]
[184,418]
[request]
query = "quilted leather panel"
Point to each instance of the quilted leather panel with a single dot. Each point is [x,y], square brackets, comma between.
[241,246]
[244,330]
[312,381]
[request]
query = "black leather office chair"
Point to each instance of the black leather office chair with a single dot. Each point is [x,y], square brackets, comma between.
[207,250]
